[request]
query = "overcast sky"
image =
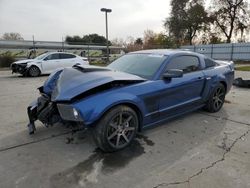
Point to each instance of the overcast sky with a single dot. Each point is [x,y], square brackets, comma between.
[52,19]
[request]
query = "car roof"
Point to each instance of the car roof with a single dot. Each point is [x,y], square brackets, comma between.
[60,53]
[166,52]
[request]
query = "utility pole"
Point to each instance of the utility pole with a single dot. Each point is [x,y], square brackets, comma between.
[88,47]
[33,39]
[106,21]
[62,44]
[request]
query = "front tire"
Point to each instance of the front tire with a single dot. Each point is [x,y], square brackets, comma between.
[34,71]
[216,99]
[116,129]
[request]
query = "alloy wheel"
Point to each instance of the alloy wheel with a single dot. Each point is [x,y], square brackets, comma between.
[34,71]
[218,98]
[121,129]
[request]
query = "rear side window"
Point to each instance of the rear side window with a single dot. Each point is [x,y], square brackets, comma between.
[185,63]
[67,56]
[209,63]
[52,57]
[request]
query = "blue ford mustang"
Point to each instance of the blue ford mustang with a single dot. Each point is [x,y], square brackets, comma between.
[136,91]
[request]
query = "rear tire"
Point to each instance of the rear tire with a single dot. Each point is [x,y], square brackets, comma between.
[116,129]
[216,99]
[34,71]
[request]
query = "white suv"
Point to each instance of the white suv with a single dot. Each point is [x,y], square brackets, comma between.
[47,63]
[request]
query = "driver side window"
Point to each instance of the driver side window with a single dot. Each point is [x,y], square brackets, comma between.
[52,57]
[185,63]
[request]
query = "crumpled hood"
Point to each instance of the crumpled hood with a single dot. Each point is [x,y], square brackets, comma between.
[73,82]
[25,61]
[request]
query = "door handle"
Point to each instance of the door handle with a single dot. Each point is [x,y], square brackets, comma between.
[200,77]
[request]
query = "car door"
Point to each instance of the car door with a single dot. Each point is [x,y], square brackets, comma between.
[178,95]
[51,63]
[67,60]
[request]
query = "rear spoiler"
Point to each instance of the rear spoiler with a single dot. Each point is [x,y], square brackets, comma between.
[229,63]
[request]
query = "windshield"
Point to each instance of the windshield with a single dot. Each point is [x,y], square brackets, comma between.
[143,65]
[41,56]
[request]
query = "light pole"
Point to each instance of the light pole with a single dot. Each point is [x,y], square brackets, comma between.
[106,20]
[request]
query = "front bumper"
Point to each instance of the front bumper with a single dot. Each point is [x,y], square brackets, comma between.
[49,112]
[19,68]
[32,114]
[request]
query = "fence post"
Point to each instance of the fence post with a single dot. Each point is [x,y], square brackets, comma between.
[88,53]
[212,51]
[232,51]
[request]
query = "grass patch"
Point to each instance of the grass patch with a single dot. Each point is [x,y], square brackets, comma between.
[98,63]
[238,62]
[243,68]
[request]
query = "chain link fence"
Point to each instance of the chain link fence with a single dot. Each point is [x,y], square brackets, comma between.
[16,50]
[230,51]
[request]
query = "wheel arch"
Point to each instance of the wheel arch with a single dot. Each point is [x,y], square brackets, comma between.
[35,65]
[224,84]
[138,112]
[130,104]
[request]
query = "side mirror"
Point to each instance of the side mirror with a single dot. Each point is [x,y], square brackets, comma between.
[173,73]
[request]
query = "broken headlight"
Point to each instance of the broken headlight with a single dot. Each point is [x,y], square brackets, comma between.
[69,113]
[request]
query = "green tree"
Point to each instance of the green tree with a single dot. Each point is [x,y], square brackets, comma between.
[230,16]
[196,20]
[93,39]
[186,20]
[74,39]
[12,36]
[149,39]
[139,41]
[175,23]
[164,41]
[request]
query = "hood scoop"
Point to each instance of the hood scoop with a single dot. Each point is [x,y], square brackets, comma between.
[88,68]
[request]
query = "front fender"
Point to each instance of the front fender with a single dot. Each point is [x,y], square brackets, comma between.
[93,108]
[38,65]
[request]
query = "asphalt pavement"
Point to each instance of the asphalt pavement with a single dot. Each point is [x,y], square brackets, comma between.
[196,150]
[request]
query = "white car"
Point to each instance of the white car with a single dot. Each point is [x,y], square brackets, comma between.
[47,63]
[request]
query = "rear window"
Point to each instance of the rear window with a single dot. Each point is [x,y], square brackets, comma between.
[209,63]
[67,56]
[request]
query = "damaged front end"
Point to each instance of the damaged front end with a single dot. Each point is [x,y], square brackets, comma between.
[44,110]
[65,89]
[19,68]
[47,111]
